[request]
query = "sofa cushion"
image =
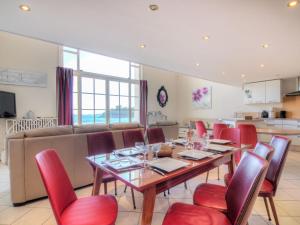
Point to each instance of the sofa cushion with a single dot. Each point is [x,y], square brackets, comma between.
[124,126]
[49,131]
[91,128]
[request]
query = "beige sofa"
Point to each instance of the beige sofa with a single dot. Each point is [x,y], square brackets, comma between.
[71,145]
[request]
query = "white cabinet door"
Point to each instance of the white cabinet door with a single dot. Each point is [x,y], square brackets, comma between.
[259,92]
[273,91]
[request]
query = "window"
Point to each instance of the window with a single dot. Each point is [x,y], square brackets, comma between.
[106,90]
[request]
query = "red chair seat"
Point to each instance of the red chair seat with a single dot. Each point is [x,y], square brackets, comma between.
[185,214]
[212,196]
[267,189]
[96,210]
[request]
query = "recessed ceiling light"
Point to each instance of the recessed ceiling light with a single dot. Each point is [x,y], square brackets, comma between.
[265,45]
[197,64]
[142,46]
[153,7]
[223,73]
[262,65]
[293,3]
[25,8]
[206,37]
[243,75]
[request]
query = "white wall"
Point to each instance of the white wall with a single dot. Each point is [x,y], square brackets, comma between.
[27,54]
[157,78]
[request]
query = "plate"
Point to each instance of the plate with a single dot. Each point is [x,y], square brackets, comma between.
[195,154]
[219,148]
[123,163]
[219,141]
[167,164]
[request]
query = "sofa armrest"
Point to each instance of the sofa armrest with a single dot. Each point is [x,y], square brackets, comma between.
[16,165]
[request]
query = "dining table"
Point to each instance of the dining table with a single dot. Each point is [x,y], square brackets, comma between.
[149,182]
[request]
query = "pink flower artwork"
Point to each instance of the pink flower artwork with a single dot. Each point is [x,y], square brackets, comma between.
[201,98]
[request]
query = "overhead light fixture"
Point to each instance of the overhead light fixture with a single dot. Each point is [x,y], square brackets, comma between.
[153,7]
[262,65]
[265,45]
[223,73]
[243,75]
[25,8]
[197,64]
[293,3]
[205,38]
[142,46]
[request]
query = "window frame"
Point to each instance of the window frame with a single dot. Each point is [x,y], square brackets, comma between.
[107,78]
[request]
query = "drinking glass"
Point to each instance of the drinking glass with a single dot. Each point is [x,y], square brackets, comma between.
[155,149]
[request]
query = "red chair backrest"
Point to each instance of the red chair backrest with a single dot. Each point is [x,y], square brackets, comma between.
[217,128]
[263,150]
[200,128]
[100,143]
[130,137]
[248,134]
[232,134]
[281,146]
[155,135]
[56,181]
[244,187]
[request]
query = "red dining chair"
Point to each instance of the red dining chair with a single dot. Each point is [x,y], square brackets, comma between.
[155,135]
[217,128]
[248,134]
[67,208]
[268,191]
[232,134]
[103,143]
[213,196]
[200,128]
[130,137]
[246,181]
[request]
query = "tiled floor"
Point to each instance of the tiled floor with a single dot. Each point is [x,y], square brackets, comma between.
[39,212]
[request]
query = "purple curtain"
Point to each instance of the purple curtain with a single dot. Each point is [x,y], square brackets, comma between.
[143,102]
[64,92]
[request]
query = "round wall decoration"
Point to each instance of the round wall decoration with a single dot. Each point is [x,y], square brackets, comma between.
[162,96]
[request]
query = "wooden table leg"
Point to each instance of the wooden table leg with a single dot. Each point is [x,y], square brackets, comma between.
[231,164]
[97,181]
[148,205]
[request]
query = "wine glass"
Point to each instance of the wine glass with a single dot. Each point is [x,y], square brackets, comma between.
[156,148]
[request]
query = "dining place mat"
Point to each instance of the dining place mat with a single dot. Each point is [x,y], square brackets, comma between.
[219,141]
[129,151]
[167,164]
[123,163]
[180,141]
[195,154]
[219,148]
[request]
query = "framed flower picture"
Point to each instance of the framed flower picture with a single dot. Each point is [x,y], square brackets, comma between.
[201,98]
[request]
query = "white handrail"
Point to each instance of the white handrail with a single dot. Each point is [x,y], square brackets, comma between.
[18,125]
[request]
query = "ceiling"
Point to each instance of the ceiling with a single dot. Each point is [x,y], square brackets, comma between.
[173,35]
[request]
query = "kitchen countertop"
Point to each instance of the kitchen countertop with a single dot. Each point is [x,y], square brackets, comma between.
[258,119]
[277,131]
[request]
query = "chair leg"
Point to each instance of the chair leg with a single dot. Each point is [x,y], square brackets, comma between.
[168,191]
[116,191]
[267,208]
[165,194]
[133,198]
[207,174]
[185,186]
[218,173]
[125,189]
[105,188]
[274,210]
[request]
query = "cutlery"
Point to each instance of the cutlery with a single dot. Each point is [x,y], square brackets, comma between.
[158,171]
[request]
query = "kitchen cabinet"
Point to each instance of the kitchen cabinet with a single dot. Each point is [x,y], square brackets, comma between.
[273,91]
[262,92]
[255,93]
